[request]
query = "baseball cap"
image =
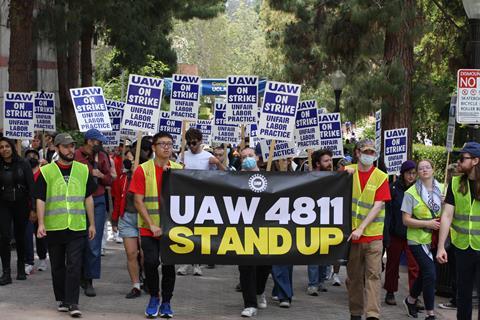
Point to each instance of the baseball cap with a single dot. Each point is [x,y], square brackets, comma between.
[63,139]
[471,147]
[366,144]
[94,134]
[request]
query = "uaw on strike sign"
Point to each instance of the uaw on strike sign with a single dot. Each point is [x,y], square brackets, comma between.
[255,218]
[468,91]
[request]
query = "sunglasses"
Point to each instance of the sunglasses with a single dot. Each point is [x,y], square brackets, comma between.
[461,159]
[192,143]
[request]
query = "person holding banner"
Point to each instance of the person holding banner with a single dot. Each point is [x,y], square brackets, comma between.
[49,150]
[16,188]
[461,215]
[364,268]
[99,167]
[421,214]
[63,193]
[146,186]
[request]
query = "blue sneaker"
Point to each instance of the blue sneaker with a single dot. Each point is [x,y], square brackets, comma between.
[152,308]
[166,310]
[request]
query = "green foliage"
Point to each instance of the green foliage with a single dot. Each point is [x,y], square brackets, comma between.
[437,154]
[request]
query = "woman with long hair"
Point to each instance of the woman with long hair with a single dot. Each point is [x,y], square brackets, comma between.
[16,186]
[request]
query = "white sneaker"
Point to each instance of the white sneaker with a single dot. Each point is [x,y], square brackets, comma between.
[262,301]
[117,238]
[312,291]
[102,252]
[42,265]
[275,298]
[28,269]
[336,280]
[285,304]
[249,312]
[197,271]
[182,270]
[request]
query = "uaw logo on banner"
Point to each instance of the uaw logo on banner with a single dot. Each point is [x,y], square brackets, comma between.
[253,218]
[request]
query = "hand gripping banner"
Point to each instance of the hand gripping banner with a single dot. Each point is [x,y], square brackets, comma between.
[255,218]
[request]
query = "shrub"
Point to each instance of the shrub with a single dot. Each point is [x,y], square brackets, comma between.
[437,154]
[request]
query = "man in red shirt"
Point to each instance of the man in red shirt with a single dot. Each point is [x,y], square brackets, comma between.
[147,187]
[99,167]
[370,191]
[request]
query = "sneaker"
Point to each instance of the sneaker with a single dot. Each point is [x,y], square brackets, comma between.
[336,280]
[182,270]
[152,307]
[74,312]
[249,312]
[322,288]
[420,306]
[134,293]
[390,299]
[42,265]
[352,317]
[284,304]
[312,291]
[62,307]
[89,289]
[411,308]
[118,239]
[166,310]
[102,252]
[28,269]
[431,317]
[447,306]
[275,298]
[197,271]
[262,301]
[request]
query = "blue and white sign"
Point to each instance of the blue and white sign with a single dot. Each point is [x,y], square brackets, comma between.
[278,112]
[253,139]
[331,133]
[18,115]
[242,100]
[451,124]
[90,109]
[378,131]
[205,126]
[395,149]
[44,111]
[115,112]
[142,108]
[223,132]
[282,149]
[307,131]
[172,126]
[185,97]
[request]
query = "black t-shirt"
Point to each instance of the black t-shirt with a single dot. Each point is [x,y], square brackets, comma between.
[450,199]
[40,190]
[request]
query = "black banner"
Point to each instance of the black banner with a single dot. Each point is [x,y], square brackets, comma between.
[255,218]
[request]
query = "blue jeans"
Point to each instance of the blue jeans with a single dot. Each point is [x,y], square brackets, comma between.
[92,253]
[316,275]
[426,278]
[468,263]
[282,276]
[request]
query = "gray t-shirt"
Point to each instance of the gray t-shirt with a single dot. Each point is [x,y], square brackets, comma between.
[408,203]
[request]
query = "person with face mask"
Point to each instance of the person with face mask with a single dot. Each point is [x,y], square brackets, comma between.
[99,167]
[63,193]
[16,187]
[33,157]
[364,268]
[461,216]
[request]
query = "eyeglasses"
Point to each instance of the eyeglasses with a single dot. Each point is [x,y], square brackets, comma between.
[424,168]
[164,144]
[192,143]
[464,158]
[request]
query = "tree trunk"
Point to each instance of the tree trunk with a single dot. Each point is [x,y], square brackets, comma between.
[86,55]
[398,53]
[20,59]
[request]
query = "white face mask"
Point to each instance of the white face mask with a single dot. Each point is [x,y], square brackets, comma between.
[367,160]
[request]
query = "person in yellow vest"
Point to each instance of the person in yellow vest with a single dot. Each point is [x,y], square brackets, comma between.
[370,191]
[461,216]
[146,186]
[63,193]
[421,209]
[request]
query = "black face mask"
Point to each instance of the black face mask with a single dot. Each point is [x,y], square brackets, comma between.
[97,148]
[33,162]
[127,164]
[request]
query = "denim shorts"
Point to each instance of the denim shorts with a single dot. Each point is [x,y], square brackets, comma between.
[127,225]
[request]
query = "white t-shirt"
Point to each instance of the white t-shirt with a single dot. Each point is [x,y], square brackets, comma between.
[197,161]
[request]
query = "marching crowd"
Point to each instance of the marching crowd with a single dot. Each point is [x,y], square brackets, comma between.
[58,196]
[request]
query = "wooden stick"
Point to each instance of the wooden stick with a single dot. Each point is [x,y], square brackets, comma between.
[446,175]
[44,145]
[137,150]
[309,157]
[270,155]
[19,147]
[242,135]
[182,148]
[225,155]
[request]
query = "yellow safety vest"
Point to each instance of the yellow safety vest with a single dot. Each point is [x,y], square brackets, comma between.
[465,230]
[65,202]
[420,212]
[151,192]
[362,201]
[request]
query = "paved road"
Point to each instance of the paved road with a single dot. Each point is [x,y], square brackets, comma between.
[209,297]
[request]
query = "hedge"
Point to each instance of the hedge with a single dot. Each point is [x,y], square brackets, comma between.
[437,154]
